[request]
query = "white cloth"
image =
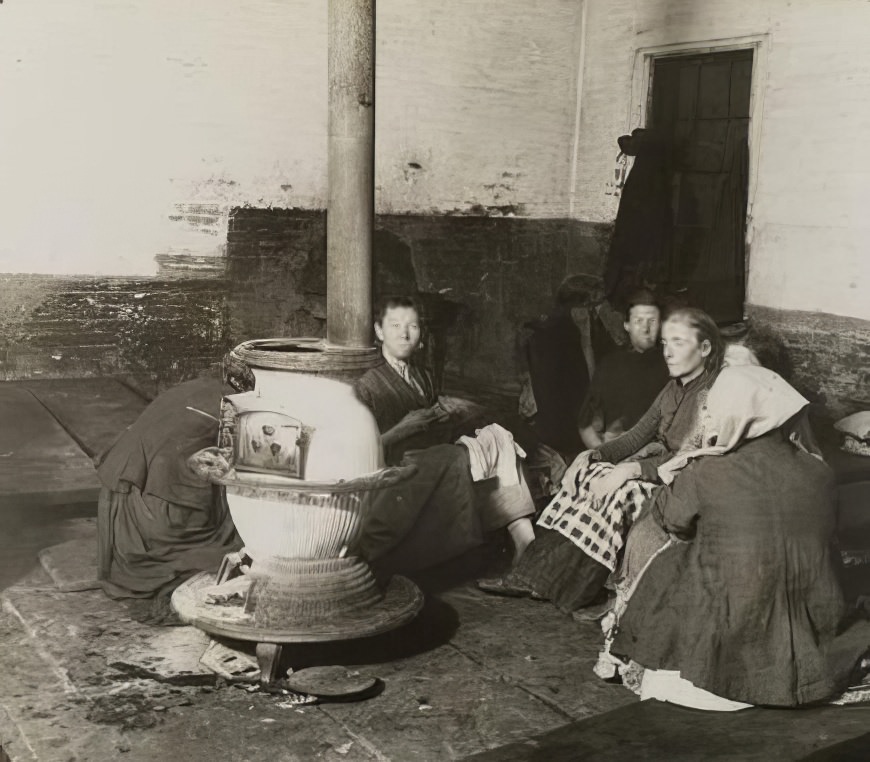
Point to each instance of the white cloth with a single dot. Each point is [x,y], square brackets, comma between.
[739,354]
[856,433]
[596,527]
[493,452]
[745,402]
[670,686]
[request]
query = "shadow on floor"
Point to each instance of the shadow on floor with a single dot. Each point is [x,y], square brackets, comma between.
[854,750]
[652,730]
[434,626]
[26,531]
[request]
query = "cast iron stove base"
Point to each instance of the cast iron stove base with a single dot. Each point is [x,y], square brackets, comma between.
[401,602]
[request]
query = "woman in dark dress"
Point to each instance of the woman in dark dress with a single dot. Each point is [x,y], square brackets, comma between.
[750,608]
[440,513]
[581,532]
[158,521]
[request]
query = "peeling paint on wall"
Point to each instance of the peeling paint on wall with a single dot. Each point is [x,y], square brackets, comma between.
[160,331]
[174,113]
[128,117]
[205,218]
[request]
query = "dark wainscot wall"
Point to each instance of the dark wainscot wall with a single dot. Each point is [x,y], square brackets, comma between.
[481,278]
[829,357]
[154,331]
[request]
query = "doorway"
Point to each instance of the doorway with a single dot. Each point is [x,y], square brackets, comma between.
[700,104]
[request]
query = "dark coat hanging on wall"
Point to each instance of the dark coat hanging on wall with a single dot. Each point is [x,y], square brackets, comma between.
[642,234]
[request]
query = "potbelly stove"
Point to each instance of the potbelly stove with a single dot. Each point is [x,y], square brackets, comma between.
[300,458]
[303,463]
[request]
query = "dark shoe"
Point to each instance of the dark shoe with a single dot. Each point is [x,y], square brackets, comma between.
[595,612]
[499,586]
[508,588]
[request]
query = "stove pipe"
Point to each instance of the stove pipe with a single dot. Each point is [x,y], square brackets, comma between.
[351,148]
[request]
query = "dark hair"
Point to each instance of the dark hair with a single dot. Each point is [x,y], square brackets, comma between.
[672,301]
[578,290]
[770,350]
[705,330]
[641,297]
[390,302]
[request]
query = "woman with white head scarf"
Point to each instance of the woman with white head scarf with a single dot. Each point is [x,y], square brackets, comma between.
[745,604]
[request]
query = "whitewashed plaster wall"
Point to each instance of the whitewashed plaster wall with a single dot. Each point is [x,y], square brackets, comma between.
[808,227]
[128,128]
[482,95]
[120,115]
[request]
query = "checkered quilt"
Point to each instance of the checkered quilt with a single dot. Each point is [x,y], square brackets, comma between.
[597,527]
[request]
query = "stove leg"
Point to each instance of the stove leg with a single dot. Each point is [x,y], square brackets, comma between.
[268,657]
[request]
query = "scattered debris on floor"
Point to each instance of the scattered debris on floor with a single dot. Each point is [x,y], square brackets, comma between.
[230,663]
[480,671]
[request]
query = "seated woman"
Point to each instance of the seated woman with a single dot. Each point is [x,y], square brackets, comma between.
[158,522]
[440,513]
[749,610]
[584,526]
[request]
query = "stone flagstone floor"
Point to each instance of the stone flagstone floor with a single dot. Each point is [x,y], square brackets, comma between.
[473,675]
[80,679]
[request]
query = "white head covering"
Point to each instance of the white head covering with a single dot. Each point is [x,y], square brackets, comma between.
[739,354]
[745,402]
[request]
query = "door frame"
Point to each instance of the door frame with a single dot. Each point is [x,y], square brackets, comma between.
[641,96]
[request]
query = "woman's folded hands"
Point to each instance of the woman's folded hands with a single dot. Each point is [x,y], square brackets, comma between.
[606,484]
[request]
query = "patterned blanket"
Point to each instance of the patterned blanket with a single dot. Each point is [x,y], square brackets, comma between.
[597,527]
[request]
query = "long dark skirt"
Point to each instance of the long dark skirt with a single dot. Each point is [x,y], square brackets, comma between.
[555,568]
[427,520]
[147,545]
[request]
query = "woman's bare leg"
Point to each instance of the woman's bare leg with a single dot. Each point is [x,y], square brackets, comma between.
[522,534]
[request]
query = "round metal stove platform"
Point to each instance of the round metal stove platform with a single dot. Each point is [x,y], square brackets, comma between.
[401,602]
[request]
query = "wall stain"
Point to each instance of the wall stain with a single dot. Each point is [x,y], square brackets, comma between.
[205,218]
[492,210]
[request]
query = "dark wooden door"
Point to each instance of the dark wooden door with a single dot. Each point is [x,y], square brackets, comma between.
[701,103]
